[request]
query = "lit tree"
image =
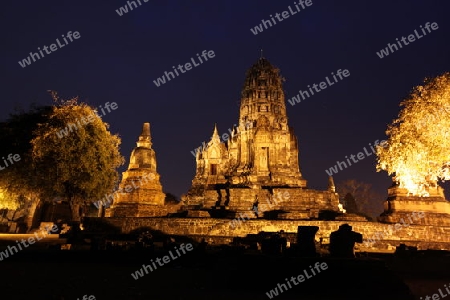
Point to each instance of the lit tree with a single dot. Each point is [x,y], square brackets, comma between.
[11,201]
[80,166]
[417,152]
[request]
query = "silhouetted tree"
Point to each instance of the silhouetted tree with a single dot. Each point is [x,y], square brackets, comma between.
[171,199]
[350,204]
[17,181]
[17,187]
[365,199]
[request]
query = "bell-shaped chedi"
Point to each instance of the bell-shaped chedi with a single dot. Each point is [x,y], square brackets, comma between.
[140,192]
[259,162]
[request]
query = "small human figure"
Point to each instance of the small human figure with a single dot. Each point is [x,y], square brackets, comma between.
[342,241]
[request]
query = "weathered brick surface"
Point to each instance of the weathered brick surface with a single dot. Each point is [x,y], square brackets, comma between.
[422,236]
[140,191]
[400,205]
[259,158]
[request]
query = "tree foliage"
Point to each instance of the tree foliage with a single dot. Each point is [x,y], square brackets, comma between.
[16,134]
[171,199]
[418,147]
[10,200]
[79,166]
[358,197]
[350,204]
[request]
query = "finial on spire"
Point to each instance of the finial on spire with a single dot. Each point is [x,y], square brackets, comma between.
[145,139]
[146,129]
[331,186]
[261,53]
[215,139]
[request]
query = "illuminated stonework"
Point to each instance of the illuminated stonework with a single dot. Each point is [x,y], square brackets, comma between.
[258,161]
[251,170]
[140,192]
[400,204]
[257,164]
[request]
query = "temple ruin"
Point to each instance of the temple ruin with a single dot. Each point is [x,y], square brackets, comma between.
[246,174]
[259,161]
[140,192]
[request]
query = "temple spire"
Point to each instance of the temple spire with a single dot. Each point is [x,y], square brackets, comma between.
[140,191]
[145,129]
[331,186]
[215,137]
[145,139]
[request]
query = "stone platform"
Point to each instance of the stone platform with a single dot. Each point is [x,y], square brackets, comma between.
[220,230]
[400,206]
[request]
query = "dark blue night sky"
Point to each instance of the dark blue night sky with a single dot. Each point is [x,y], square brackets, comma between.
[117,58]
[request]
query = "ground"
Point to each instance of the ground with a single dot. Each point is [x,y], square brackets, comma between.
[226,274]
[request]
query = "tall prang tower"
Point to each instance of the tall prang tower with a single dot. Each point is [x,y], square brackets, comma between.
[267,150]
[260,159]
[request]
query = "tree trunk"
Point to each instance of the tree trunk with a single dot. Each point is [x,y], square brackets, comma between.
[101,211]
[75,208]
[31,216]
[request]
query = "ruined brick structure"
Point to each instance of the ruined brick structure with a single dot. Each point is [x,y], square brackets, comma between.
[400,205]
[252,168]
[259,160]
[140,192]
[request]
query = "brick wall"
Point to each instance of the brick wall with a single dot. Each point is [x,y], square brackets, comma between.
[421,236]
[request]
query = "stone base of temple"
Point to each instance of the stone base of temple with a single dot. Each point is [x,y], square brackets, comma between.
[412,217]
[298,215]
[351,217]
[377,237]
[402,208]
[281,203]
[197,214]
[141,210]
[244,214]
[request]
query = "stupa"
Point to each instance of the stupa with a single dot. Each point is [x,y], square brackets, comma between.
[140,192]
